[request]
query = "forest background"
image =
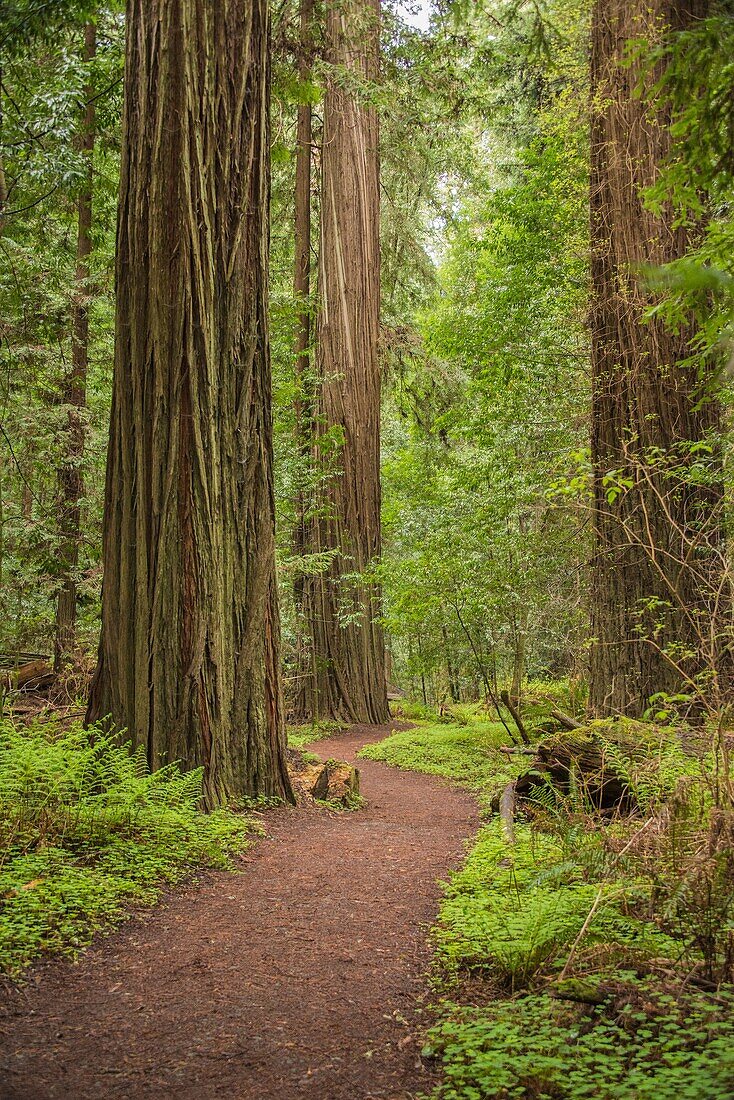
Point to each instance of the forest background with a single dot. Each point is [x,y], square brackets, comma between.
[485,346]
[485,356]
[555,323]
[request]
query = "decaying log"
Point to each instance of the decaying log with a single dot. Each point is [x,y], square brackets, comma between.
[32,676]
[578,759]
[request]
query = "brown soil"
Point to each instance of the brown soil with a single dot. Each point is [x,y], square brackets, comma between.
[303,976]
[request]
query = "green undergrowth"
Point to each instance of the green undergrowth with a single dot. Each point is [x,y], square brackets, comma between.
[298,736]
[588,954]
[86,832]
[513,909]
[645,1044]
[468,754]
[586,986]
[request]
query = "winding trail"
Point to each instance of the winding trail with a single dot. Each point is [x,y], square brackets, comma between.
[301,977]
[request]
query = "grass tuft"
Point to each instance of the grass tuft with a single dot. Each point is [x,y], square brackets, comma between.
[465,754]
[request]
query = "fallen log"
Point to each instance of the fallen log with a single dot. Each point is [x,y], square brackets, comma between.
[32,676]
[579,760]
[15,660]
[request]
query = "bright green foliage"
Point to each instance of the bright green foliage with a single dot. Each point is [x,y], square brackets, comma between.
[654,1047]
[466,754]
[298,736]
[479,556]
[86,831]
[513,909]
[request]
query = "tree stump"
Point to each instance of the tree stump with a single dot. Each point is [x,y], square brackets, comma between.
[336,781]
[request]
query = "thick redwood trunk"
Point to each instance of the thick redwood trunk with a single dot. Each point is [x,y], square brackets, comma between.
[304,382]
[74,389]
[189,651]
[344,607]
[658,559]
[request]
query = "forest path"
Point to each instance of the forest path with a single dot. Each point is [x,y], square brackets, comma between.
[300,977]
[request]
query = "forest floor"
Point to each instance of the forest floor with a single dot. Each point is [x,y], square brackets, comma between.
[302,976]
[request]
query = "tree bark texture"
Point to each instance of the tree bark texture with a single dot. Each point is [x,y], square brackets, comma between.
[343,609]
[189,651]
[303,407]
[74,388]
[656,562]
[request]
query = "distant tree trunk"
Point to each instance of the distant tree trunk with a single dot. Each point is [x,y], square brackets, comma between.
[651,589]
[343,609]
[304,383]
[74,388]
[454,687]
[189,652]
[519,654]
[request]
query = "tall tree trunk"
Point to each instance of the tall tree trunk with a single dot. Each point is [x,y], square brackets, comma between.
[519,653]
[657,562]
[343,607]
[74,388]
[3,203]
[454,686]
[189,651]
[304,383]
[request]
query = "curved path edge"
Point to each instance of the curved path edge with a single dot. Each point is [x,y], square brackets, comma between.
[302,976]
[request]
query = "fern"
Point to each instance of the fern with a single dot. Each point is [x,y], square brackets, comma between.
[86,830]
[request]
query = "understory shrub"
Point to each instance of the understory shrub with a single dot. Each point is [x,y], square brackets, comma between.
[594,947]
[86,830]
[514,909]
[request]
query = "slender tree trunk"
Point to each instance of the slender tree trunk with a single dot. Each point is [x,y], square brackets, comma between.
[656,562]
[454,688]
[189,651]
[519,654]
[304,382]
[344,608]
[74,390]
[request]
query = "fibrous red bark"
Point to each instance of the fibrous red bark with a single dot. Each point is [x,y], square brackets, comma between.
[343,604]
[189,650]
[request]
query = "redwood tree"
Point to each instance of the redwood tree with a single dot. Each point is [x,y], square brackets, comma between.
[343,605]
[74,386]
[189,650]
[658,566]
[302,345]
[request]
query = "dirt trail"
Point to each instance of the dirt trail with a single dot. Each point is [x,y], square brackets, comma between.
[300,977]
